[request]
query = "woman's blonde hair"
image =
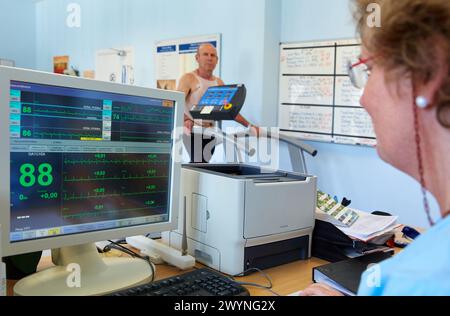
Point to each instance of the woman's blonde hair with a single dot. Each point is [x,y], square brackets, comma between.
[411,37]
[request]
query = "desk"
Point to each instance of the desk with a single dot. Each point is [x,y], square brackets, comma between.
[286,279]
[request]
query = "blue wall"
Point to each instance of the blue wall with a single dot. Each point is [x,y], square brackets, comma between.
[17,32]
[354,172]
[305,20]
[140,23]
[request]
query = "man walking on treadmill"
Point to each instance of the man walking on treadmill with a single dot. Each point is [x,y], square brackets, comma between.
[194,86]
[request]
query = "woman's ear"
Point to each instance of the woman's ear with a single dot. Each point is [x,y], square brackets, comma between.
[427,91]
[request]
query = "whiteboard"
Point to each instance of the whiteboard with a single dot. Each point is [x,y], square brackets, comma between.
[316,98]
[176,57]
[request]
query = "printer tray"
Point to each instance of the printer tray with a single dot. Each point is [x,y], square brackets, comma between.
[277,253]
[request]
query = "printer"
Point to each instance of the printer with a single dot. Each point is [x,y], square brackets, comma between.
[239,217]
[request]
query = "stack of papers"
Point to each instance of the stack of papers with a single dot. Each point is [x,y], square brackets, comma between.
[369,226]
[319,277]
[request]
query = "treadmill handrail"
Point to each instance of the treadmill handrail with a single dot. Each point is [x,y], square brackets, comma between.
[284,138]
[221,137]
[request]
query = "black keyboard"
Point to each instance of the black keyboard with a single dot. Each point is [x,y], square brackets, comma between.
[200,282]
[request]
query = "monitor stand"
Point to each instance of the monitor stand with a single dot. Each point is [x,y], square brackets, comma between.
[96,275]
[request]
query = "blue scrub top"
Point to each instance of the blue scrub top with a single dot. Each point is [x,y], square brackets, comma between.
[422,269]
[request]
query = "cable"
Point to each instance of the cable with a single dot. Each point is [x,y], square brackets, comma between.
[130,252]
[256,270]
[265,287]
[273,292]
[258,286]
[121,241]
[119,247]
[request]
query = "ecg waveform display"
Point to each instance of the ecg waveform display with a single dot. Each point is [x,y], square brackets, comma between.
[135,123]
[48,112]
[78,190]
[46,116]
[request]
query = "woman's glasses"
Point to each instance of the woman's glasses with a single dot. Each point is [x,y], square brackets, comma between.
[359,72]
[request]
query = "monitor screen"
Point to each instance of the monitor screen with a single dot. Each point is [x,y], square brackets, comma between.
[218,96]
[84,161]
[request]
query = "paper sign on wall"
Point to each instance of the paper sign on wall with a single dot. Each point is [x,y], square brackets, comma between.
[115,65]
[174,58]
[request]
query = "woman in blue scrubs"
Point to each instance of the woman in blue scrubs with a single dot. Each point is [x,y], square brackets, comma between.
[404,71]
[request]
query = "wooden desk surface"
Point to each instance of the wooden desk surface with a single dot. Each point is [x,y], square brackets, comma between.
[286,279]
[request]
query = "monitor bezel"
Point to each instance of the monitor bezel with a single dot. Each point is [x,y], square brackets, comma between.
[8,74]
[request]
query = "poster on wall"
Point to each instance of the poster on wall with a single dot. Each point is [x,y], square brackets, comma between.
[174,58]
[60,64]
[115,65]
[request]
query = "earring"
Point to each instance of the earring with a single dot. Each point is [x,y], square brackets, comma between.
[421,102]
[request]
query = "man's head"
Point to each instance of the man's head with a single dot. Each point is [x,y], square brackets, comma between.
[207,58]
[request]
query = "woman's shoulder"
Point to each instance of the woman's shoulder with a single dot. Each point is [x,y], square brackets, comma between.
[433,242]
[422,268]
[428,255]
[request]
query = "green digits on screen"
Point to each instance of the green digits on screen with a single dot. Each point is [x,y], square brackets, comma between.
[28,177]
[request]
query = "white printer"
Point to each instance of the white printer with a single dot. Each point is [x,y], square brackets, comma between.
[239,217]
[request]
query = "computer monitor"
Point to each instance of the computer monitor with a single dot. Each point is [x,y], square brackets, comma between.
[84,161]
